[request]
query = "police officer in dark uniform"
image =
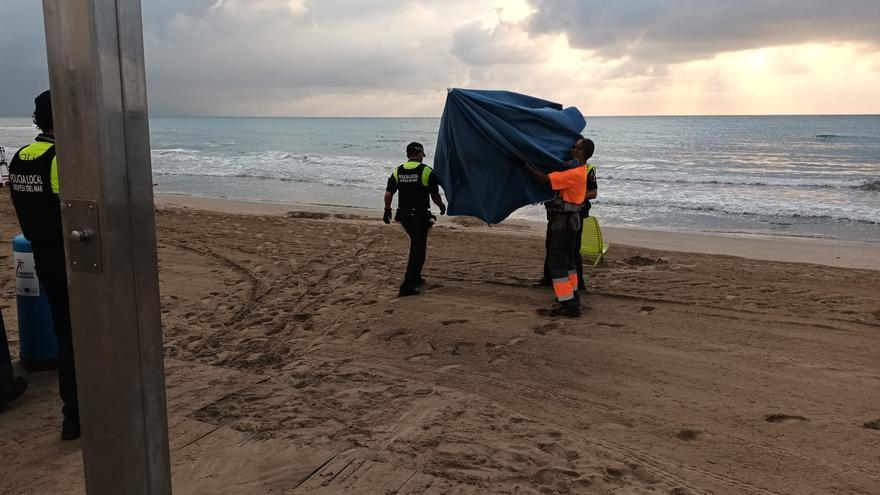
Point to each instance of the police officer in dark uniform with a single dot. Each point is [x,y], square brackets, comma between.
[34,186]
[415,182]
[582,151]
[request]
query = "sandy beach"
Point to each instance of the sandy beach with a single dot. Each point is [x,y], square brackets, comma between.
[720,364]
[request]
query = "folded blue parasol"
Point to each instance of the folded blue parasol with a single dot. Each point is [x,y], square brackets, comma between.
[484,138]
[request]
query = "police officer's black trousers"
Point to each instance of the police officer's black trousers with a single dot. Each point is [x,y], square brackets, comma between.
[417,228]
[578,261]
[50,265]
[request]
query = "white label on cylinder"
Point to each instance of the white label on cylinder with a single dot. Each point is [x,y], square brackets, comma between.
[26,281]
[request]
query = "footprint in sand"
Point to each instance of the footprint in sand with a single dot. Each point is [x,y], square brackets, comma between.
[613,427]
[418,357]
[687,434]
[448,367]
[872,425]
[546,328]
[454,322]
[616,471]
[784,418]
[515,341]
[459,347]
[364,335]
[611,325]
[552,475]
[646,310]
[500,359]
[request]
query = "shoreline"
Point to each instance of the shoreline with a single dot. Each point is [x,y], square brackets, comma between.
[820,251]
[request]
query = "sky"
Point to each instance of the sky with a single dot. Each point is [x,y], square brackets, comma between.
[397,57]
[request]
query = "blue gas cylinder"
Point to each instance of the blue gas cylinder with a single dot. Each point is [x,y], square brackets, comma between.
[37,341]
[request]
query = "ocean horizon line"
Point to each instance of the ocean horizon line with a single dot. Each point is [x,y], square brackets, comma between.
[379,117]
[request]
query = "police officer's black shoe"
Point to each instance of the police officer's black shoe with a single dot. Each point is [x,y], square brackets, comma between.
[409,291]
[70,429]
[421,281]
[11,390]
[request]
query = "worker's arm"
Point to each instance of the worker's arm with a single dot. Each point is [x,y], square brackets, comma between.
[535,174]
[438,200]
[386,216]
[592,193]
[390,189]
[434,188]
[592,185]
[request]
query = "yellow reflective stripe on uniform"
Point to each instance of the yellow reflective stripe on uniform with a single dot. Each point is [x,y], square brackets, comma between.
[413,165]
[590,168]
[53,177]
[34,150]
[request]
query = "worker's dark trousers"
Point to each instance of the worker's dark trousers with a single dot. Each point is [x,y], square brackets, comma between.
[416,226]
[561,263]
[578,261]
[49,263]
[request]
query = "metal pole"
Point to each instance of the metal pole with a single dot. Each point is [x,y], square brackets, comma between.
[96,73]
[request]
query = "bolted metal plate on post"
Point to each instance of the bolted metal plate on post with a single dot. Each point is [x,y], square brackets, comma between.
[84,236]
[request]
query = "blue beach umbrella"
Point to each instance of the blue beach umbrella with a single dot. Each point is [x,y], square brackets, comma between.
[484,138]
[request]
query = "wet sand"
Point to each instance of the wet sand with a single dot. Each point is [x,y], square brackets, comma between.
[293,368]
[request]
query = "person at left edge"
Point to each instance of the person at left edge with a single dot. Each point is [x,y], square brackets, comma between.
[11,387]
[415,182]
[34,186]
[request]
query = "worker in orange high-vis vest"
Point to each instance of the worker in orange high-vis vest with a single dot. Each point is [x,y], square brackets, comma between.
[563,215]
[582,151]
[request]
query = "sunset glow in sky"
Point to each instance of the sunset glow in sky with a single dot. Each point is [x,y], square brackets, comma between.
[397,57]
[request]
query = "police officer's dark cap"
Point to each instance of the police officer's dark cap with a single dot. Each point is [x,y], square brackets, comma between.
[414,147]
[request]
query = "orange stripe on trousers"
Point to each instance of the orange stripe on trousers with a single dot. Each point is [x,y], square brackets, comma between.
[563,290]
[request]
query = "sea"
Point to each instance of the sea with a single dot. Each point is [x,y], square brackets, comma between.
[799,176]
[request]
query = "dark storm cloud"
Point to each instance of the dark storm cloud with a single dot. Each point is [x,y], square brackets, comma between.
[669,31]
[204,55]
[474,44]
[243,54]
[23,70]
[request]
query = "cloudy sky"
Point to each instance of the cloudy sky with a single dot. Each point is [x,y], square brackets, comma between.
[396,57]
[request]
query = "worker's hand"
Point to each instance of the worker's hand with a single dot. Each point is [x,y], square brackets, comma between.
[387,216]
[442,209]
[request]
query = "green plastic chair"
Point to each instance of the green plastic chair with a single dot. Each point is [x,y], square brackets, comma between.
[591,240]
